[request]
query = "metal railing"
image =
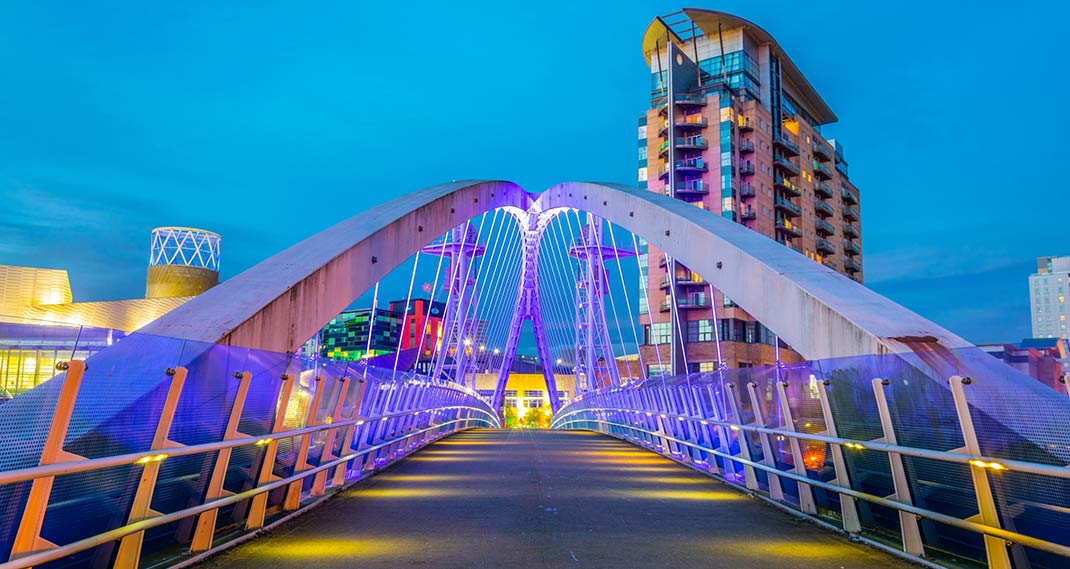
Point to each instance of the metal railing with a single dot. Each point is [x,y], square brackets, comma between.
[945,468]
[199,453]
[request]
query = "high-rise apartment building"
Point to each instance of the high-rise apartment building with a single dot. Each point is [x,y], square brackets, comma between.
[735,128]
[1049,289]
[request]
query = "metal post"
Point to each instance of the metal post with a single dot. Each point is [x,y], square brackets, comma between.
[258,505]
[28,538]
[995,548]
[206,522]
[319,483]
[130,546]
[349,439]
[848,508]
[908,523]
[806,493]
[749,477]
[292,499]
[775,490]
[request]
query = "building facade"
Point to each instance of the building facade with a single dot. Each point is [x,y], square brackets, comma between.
[1049,288]
[735,128]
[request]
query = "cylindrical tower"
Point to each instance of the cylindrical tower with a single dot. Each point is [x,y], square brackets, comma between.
[183,262]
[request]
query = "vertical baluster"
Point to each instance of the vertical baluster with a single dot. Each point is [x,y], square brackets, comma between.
[292,499]
[848,508]
[130,546]
[28,537]
[806,493]
[908,522]
[206,521]
[749,477]
[266,473]
[775,490]
[995,548]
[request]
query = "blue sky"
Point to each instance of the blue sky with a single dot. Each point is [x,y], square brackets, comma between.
[268,121]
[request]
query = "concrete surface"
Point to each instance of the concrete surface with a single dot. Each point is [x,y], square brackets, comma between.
[546,499]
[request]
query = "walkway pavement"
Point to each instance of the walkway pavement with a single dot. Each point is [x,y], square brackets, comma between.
[530,499]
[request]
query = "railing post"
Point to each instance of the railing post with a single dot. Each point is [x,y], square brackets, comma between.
[319,483]
[28,537]
[204,531]
[995,548]
[775,490]
[750,479]
[129,554]
[339,477]
[848,508]
[908,522]
[292,499]
[254,519]
[806,493]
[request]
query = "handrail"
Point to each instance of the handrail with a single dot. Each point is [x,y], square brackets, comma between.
[1009,536]
[62,551]
[89,465]
[946,456]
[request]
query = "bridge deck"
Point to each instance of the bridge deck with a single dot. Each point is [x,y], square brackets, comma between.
[546,499]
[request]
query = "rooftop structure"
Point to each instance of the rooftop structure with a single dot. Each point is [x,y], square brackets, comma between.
[1049,288]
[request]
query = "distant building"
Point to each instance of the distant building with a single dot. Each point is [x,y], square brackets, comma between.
[346,336]
[1045,359]
[734,128]
[183,263]
[1049,288]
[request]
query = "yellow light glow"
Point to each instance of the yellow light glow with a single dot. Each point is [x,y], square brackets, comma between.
[855,446]
[991,465]
[339,548]
[734,428]
[263,442]
[674,494]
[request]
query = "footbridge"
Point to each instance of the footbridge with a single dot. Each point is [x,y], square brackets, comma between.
[218,421]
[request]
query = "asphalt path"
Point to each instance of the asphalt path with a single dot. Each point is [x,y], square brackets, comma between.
[527,499]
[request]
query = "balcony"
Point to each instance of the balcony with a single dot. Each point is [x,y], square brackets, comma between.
[686,302]
[851,266]
[691,165]
[850,213]
[822,189]
[690,122]
[746,190]
[785,185]
[663,148]
[787,208]
[822,209]
[823,227]
[690,100]
[786,145]
[830,264]
[850,230]
[848,196]
[746,125]
[692,188]
[683,101]
[824,247]
[746,147]
[748,215]
[690,279]
[785,166]
[821,152]
[821,171]
[851,249]
[746,169]
[841,167]
[788,228]
[691,143]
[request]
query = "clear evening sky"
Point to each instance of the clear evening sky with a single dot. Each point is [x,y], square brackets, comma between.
[268,121]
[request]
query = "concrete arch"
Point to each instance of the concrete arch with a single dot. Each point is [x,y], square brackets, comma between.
[283,301]
[819,312]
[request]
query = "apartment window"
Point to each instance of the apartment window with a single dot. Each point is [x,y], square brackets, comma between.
[699,331]
[562,394]
[534,403]
[655,370]
[510,403]
[533,393]
[658,333]
[510,393]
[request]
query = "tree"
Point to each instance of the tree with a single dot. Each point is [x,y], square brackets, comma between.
[536,418]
